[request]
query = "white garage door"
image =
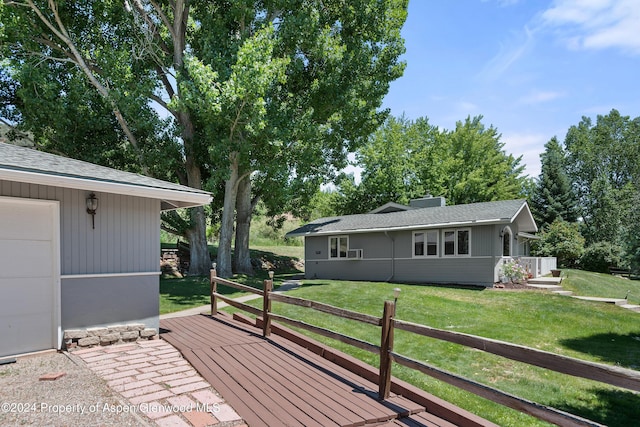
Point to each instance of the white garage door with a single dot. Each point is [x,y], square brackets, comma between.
[29,290]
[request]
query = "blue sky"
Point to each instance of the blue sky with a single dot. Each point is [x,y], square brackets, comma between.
[531,68]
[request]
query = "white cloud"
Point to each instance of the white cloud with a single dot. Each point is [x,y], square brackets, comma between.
[596,24]
[510,52]
[527,145]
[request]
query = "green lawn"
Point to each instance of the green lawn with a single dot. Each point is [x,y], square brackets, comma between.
[538,319]
[181,294]
[590,284]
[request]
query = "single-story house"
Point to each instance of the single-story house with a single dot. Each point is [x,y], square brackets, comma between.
[79,247]
[425,242]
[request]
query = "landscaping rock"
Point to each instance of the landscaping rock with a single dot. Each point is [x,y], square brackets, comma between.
[86,342]
[70,334]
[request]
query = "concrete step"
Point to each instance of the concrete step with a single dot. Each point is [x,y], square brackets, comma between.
[616,301]
[631,307]
[542,286]
[545,281]
[565,293]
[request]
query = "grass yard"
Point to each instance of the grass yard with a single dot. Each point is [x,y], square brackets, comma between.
[586,330]
[586,283]
[181,294]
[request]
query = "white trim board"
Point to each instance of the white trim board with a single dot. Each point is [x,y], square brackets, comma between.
[107,275]
[179,199]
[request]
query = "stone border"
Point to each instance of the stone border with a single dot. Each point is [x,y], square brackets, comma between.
[107,335]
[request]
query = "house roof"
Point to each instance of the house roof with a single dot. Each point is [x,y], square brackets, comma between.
[501,212]
[22,164]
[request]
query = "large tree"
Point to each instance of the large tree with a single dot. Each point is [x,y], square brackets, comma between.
[553,197]
[407,159]
[604,166]
[273,93]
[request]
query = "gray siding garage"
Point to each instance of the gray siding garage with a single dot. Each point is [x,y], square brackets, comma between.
[62,268]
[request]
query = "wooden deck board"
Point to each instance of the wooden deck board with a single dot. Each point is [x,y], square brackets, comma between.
[328,392]
[393,407]
[273,382]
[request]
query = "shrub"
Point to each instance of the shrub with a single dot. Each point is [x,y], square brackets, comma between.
[560,239]
[600,256]
[513,271]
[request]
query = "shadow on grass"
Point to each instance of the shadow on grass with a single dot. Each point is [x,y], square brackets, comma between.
[612,348]
[613,408]
[190,291]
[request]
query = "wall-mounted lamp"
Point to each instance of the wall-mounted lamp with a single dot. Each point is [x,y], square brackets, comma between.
[92,207]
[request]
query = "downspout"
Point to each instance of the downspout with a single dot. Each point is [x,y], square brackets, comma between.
[393,256]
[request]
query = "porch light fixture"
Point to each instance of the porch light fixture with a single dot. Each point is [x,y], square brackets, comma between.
[92,207]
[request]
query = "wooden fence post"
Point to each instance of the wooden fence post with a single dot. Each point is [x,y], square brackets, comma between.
[386,347]
[266,308]
[214,289]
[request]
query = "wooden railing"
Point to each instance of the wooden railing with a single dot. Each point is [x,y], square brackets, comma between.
[620,377]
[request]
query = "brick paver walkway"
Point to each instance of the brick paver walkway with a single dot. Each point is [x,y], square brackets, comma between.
[157,382]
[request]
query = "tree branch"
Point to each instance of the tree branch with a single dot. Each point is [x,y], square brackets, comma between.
[163,104]
[63,35]
[21,134]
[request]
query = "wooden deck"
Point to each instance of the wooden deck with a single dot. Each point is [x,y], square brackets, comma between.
[273,382]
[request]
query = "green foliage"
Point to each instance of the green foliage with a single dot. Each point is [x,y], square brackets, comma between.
[407,159]
[600,256]
[631,235]
[553,197]
[282,90]
[603,164]
[560,239]
[478,169]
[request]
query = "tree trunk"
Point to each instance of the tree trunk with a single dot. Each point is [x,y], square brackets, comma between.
[227,220]
[244,213]
[200,260]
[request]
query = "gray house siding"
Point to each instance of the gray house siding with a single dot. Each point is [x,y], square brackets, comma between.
[97,301]
[468,271]
[389,257]
[125,240]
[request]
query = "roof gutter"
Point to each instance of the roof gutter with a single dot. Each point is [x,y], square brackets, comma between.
[174,198]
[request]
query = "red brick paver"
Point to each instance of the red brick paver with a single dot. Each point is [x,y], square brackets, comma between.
[154,379]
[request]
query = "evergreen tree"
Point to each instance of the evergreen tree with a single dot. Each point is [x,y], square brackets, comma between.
[553,197]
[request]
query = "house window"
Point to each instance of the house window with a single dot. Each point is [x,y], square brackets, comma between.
[506,242]
[425,243]
[457,242]
[338,247]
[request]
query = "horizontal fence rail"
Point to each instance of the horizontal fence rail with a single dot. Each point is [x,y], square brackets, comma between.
[326,308]
[364,345]
[537,410]
[625,378]
[620,377]
[242,306]
[239,286]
